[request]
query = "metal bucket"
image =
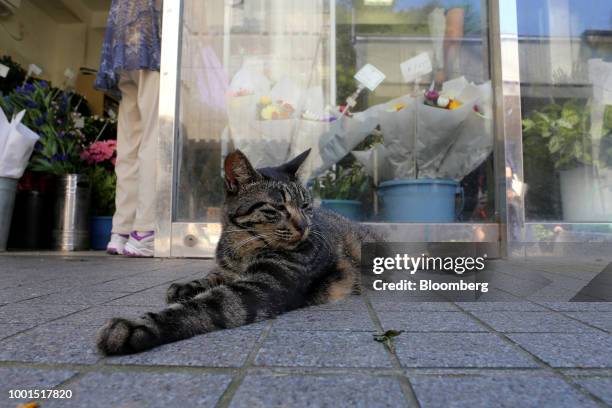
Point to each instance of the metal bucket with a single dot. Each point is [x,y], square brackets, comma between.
[8,189]
[71,216]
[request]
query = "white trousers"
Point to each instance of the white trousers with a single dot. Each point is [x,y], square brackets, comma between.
[137,131]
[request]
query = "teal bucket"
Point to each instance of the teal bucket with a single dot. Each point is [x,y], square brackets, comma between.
[351,209]
[421,200]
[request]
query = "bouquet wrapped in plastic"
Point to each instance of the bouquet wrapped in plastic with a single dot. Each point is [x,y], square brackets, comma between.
[16,145]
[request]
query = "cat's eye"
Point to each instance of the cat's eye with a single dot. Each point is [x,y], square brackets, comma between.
[268,211]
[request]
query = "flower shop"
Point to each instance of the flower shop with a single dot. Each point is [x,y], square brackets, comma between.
[57,167]
[437,121]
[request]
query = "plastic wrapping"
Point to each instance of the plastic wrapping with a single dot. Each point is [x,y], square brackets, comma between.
[16,145]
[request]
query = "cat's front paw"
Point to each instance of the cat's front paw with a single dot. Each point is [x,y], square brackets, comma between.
[123,336]
[179,292]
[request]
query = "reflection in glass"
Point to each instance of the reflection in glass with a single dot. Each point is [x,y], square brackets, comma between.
[276,77]
[566,90]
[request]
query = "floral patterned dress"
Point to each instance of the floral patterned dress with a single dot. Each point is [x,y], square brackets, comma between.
[132,40]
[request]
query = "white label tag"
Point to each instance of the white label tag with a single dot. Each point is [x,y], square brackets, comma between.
[4,70]
[370,76]
[416,67]
[79,123]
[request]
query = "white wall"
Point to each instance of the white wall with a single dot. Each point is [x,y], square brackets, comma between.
[37,38]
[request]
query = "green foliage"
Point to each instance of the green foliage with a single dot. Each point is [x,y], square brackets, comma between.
[103,183]
[48,113]
[98,128]
[15,77]
[563,131]
[387,338]
[346,183]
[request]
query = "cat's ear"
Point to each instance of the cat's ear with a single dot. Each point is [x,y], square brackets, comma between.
[238,171]
[291,167]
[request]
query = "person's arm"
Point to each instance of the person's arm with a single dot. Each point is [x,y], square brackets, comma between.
[454,32]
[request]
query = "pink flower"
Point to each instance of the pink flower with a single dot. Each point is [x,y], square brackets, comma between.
[99,152]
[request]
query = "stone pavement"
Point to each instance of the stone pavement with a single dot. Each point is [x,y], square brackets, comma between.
[473,354]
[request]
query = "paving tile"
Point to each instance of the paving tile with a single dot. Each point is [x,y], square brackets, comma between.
[533,322]
[226,348]
[568,350]
[149,297]
[352,303]
[98,315]
[76,296]
[603,320]
[132,284]
[381,304]
[149,390]
[580,306]
[430,322]
[458,350]
[28,379]
[35,313]
[601,387]
[7,330]
[490,390]
[318,391]
[334,320]
[321,349]
[52,344]
[519,306]
[19,293]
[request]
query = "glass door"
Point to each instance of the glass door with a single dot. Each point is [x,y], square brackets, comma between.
[393,97]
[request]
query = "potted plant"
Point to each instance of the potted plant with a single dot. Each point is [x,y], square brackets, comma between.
[582,162]
[100,156]
[343,190]
[49,114]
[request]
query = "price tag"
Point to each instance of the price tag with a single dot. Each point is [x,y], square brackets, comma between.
[79,123]
[415,67]
[4,70]
[370,76]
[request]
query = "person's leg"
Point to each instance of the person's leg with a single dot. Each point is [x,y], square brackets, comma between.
[141,240]
[129,135]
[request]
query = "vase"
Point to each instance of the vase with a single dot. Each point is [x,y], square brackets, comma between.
[420,200]
[100,231]
[8,189]
[71,215]
[586,194]
[351,209]
[33,213]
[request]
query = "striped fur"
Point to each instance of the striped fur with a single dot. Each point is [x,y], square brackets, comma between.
[276,253]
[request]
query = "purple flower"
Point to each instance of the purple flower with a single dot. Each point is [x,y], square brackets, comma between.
[43,84]
[31,104]
[29,88]
[39,121]
[61,134]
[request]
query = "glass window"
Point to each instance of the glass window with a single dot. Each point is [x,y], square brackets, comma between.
[565,51]
[276,77]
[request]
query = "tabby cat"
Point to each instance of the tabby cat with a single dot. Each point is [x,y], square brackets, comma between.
[276,253]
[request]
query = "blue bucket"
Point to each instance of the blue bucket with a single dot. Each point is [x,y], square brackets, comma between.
[100,232]
[420,200]
[351,209]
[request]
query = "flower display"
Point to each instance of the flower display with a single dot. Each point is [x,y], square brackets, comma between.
[434,98]
[101,158]
[48,113]
[100,152]
[269,110]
